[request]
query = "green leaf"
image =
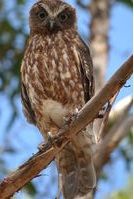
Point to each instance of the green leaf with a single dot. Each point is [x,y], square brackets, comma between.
[125,193]
[21,1]
[127,2]
[103,176]
[30,189]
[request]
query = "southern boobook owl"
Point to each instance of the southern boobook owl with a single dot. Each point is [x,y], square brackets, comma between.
[57,78]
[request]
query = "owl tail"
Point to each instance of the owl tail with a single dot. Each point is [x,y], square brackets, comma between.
[76,168]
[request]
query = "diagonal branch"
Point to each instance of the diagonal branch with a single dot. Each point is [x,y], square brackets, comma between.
[120,108]
[105,119]
[111,141]
[16,180]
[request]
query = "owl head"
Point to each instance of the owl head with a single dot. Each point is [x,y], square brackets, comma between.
[51,16]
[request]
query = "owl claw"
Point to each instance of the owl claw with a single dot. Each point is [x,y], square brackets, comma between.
[42,145]
[100,116]
[50,137]
[76,111]
[71,117]
[53,140]
[101,113]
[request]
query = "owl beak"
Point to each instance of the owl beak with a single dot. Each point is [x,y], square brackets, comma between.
[51,24]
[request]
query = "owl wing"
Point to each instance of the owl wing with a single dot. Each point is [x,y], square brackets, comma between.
[27,108]
[75,161]
[86,70]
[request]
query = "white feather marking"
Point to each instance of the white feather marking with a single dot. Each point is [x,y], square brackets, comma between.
[55,111]
[53,64]
[65,58]
[76,54]
[55,54]
[65,75]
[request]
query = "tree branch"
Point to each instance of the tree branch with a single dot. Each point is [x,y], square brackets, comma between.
[99,41]
[103,125]
[16,180]
[111,141]
[119,109]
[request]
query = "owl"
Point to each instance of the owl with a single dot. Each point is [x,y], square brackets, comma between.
[57,78]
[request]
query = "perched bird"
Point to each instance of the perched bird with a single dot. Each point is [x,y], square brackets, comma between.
[57,78]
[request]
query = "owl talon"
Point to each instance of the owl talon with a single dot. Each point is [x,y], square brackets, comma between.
[101,113]
[100,116]
[50,137]
[74,115]
[71,117]
[76,111]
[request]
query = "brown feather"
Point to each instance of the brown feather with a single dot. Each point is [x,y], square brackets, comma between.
[57,78]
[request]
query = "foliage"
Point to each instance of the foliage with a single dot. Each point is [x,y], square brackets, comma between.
[30,189]
[126,193]
[126,2]
[12,40]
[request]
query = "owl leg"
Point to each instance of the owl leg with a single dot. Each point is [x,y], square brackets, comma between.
[70,117]
[49,138]
[45,131]
[102,111]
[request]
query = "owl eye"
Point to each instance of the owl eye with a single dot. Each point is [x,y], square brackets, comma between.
[42,14]
[63,17]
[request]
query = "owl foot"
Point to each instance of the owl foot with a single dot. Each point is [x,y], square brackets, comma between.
[54,140]
[100,116]
[101,113]
[69,118]
[51,140]
[50,136]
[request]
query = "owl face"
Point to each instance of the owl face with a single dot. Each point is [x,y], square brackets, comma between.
[47,16]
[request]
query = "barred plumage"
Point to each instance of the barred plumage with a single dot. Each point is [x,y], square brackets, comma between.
[57,78]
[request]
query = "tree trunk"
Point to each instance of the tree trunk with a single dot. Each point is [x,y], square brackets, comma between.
[99,27]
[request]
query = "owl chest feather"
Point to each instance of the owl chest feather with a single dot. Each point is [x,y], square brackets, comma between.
[53,70]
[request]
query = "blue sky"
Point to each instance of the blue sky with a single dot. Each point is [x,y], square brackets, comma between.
[25,137]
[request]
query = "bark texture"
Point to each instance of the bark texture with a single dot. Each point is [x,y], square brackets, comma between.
[99,28]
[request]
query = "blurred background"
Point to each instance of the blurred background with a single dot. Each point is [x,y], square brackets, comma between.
[107,24]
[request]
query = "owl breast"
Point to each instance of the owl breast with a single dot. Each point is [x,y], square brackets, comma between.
[52,73]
